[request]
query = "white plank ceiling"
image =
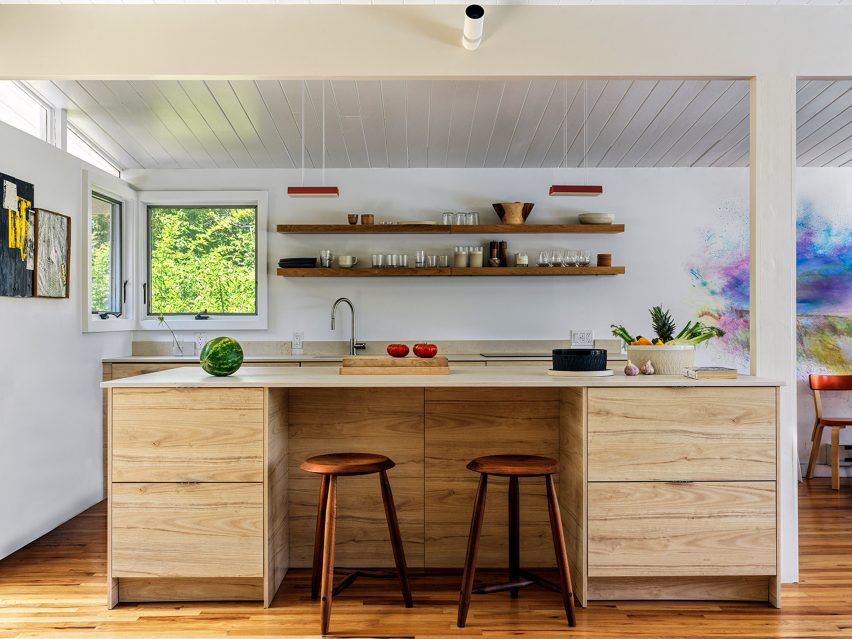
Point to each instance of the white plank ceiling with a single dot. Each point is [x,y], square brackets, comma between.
[420,123]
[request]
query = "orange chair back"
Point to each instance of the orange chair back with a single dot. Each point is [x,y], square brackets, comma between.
[830,382]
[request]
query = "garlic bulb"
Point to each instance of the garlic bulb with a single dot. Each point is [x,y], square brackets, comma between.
[631,369]
[647,368]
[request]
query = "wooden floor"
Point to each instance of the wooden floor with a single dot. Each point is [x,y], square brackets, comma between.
[55,587]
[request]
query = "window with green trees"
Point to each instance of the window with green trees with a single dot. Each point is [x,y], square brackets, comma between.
[202,258]
[106,256]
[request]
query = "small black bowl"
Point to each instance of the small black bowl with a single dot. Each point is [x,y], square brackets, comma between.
[579,359]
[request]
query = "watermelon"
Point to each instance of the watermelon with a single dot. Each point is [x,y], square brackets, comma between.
[221,356]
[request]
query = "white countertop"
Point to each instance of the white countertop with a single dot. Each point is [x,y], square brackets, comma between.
[508,376]
[193,359]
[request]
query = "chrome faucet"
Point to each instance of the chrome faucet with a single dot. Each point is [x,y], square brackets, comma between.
[354,345]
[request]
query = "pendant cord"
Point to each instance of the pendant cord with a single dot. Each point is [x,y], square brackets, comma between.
[323,132]
[565,129]
[585,119]
[303,133]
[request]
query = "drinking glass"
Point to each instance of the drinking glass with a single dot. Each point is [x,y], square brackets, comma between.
[420,258]
[388,260]
[585,258]
[447,218]
[403,260]
[326,258]
[556,258]
[461,218]
[443,261]
[431,261]
[544,258]
[473,218]
[573,258]
[378,260]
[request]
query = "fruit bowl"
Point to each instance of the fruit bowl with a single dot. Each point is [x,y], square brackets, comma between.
[513,212]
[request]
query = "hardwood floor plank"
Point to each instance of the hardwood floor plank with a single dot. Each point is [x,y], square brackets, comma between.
[56,587]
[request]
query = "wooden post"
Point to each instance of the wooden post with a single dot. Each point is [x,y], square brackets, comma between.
[773,275]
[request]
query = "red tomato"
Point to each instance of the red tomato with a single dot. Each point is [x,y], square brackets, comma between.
[425,350]
[397,350]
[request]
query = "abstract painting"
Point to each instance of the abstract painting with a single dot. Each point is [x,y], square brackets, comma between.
[52,254]
[17,239]
[823,287]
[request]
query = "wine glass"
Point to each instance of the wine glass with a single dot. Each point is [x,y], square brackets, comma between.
[585,257]
[544,258]
[556,258]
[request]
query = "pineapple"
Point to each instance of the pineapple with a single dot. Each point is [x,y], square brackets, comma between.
[662,323]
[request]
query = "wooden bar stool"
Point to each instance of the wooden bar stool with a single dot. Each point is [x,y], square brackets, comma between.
[331,467]
[818,384]
[514,467]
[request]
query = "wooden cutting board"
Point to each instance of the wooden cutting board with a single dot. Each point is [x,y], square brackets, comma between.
[394,370]
[384,365]
[367,361]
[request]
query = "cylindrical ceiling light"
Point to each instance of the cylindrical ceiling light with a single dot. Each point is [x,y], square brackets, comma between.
[474,21]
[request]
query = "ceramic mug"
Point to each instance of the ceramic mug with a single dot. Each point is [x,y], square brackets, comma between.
[347,261]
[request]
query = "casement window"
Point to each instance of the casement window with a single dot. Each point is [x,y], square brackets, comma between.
[205,259]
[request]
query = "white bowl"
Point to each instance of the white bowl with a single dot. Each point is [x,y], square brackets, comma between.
[596,218]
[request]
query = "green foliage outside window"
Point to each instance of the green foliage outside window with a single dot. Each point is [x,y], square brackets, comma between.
[101,252]
[202,259]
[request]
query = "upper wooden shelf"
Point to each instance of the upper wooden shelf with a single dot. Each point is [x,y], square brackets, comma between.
[442,229]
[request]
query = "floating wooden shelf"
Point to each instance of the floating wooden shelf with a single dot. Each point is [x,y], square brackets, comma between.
[442,229]
[452,271]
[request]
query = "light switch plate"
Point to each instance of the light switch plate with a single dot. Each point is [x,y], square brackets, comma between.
[582,338]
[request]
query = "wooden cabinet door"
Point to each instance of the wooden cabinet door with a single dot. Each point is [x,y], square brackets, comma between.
[187,435]
[679,529]
[187,530]
[681,434]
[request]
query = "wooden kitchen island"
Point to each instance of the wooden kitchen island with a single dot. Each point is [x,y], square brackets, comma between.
[669,488]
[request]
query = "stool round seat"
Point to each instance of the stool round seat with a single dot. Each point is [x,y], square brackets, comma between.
[347,464]
[515,465]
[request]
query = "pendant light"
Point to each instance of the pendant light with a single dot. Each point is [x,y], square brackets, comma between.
[587,190]
[313,191]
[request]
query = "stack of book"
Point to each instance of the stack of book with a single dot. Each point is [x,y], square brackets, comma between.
[297,262]
[710,372]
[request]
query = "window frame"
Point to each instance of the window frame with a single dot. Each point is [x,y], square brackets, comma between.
[47,130]
[118,283]
[178,322]
[119,191]
[70,130]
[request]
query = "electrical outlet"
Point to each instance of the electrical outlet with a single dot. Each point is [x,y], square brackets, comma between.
[298,344]
[200,341]
[582,338]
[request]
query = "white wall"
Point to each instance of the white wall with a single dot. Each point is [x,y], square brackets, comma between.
[665,212]
[50,403]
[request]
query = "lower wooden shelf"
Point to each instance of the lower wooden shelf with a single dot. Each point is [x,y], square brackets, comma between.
[453,272]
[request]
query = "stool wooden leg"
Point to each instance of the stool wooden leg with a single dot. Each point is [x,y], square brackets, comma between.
[328,555]
[816,439]
[396,539]
[322,504]
[561,552]
[514,534]
[835,458]
[472,549]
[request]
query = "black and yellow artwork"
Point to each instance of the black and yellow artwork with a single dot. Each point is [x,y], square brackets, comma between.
[17,237]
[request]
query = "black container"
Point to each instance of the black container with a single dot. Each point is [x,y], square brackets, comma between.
[579,359]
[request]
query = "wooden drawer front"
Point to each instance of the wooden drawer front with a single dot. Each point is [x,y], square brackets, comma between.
[187,530]
[656,529]
[681,434]
[176,435]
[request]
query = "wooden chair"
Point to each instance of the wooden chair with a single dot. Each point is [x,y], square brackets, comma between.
[322,580]
[514,467]
[820,383]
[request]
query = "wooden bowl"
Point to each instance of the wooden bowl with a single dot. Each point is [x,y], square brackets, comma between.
[513,212]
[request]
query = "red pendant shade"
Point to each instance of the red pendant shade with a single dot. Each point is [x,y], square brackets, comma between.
[313,191]
[576,189]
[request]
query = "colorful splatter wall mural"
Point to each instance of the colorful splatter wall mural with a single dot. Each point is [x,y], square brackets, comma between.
[720,281]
